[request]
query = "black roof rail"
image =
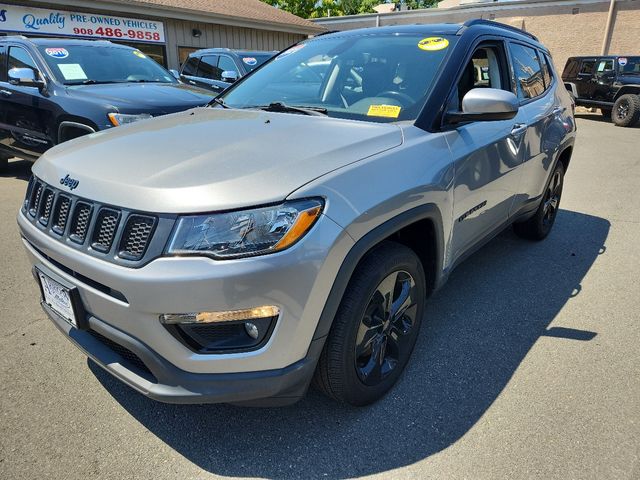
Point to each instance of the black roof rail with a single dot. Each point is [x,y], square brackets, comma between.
[491,23]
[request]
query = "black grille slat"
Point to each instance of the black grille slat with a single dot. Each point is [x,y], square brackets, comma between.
[27,197]
[135,238]
[45,206]
[80,222]
[61,214]
[105,229]
[36,193]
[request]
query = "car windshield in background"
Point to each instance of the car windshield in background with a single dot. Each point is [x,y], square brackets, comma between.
[253,61]
[381,78]
[629,65]
[87,64]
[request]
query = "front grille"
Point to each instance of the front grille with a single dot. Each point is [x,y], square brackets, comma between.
[61,214]
[80,222]
[105,229]
[115,234]
[131,358]
[136,236]
[45,206]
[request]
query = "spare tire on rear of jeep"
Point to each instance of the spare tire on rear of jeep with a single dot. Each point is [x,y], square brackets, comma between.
[626,110]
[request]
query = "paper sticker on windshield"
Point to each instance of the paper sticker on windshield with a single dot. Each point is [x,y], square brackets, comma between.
[249,61]
[57,52]
[388,111]
[293,49]
[138,53]
[622,61]
[72,71]
[432,44]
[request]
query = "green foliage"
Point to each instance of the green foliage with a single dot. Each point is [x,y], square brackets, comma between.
[334,8]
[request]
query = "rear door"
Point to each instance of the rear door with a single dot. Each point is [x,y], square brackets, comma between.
[547,119]
[487,155]
[27,119]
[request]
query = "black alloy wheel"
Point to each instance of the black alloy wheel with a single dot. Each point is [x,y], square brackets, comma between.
[385,326]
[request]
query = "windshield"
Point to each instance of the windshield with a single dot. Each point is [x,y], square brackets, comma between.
[629,65]
[254,60]
[85,64]
[378,78]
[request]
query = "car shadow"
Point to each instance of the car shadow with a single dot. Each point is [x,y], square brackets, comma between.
[597,117]
[477,330]
[20,169]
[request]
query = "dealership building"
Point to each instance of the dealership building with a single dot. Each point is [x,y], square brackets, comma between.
[165,30]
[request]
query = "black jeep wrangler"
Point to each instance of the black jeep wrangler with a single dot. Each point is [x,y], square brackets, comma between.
[610,83]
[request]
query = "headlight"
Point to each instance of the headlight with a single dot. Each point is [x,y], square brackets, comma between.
[117,119]
[246,232]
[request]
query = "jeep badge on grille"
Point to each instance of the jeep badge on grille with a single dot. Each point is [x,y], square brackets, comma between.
[67,181]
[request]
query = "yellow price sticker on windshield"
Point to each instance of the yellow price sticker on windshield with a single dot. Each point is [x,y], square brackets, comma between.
[388,111]
[432,44]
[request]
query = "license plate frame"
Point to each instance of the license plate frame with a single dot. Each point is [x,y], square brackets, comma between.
[61,298]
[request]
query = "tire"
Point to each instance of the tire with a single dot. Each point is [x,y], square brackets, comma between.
[539,226]
[626,110]
[4,161]
[361,334]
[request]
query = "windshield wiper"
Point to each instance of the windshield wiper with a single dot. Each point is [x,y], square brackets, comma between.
[92,82]
[284,108]
[218,101]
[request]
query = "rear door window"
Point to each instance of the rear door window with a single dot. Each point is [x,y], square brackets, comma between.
[528,71]
[191,66]
[605,66]
[208,68]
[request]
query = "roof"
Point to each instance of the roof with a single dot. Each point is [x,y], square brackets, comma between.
[61,41]
[240,52]
[239,9]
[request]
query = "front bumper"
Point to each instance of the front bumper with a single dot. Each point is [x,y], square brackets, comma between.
[135,364]
[123,305]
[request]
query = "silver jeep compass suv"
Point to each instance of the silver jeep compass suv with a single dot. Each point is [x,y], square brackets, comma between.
[293,229]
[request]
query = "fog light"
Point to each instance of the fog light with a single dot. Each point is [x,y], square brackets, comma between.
[266,311]
[251,329]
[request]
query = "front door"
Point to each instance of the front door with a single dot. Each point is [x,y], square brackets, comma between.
[486,154]
[586,81]
[27,113]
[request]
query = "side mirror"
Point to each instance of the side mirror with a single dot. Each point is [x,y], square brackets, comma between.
[175,73]
[25,77]
[229,76]
[485,105]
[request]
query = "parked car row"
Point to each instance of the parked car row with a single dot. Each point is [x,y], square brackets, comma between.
[54,90]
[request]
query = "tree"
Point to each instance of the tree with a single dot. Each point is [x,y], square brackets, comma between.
[334,8]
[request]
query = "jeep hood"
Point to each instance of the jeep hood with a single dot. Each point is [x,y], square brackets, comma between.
[209,159]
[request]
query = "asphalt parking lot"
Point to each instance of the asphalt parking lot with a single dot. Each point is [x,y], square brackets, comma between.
[527,367]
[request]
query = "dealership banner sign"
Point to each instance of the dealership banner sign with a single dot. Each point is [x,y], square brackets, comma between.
[43,21]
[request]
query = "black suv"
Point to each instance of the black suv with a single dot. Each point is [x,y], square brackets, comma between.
[217,68]
[53,90]
[610,83]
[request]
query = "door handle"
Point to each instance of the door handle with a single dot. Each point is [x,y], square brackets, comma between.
[6,93]
[518,129]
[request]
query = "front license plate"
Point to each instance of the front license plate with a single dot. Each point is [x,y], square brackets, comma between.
[58,298]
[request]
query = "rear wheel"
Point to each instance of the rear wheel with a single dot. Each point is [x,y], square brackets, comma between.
[375,328]
[626,110]
[539,226]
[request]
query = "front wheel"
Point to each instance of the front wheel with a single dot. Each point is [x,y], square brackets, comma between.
[539,226]
[375,328]
[626,110]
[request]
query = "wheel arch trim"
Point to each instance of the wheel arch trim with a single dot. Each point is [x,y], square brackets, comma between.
[366,243]
[70,124]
